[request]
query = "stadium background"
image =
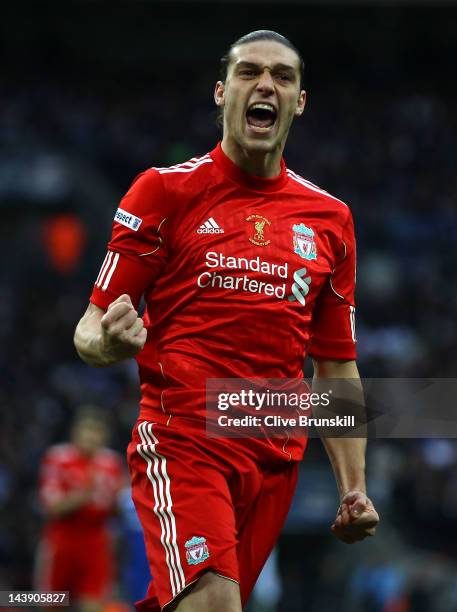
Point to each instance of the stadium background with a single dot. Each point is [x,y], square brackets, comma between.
[93,93]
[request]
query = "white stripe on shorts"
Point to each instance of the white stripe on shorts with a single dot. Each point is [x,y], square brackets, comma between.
[157,474]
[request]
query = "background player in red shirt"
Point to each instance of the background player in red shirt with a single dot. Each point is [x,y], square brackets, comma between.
[79,484]
[245,268]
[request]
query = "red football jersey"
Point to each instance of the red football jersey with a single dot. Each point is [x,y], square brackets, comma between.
[242,276]
[64,470]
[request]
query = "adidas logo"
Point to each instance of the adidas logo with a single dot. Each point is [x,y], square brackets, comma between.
[210,227]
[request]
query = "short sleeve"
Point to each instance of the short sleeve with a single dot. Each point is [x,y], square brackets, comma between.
[333,322]
[137,250]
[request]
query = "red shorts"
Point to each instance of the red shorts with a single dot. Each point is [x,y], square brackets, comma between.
[204,504]
[83,566]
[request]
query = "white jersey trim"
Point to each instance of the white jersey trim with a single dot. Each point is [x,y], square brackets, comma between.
[352,320]
[110,272]
[107,270]
[299,179]
[334,291]
[104,266]
[186,169]
[188,166]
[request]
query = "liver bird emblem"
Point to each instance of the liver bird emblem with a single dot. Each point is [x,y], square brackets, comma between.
[258,226]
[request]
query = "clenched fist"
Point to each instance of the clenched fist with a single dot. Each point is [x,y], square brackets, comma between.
[356,518]
[123,332]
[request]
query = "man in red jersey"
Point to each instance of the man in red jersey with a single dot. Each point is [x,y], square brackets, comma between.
[245,268]
[79,485]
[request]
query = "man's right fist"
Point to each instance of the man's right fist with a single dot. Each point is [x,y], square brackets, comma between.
[123,332]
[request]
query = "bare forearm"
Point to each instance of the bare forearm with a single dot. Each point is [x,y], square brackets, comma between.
[89,341]
[347,455]
[356,516]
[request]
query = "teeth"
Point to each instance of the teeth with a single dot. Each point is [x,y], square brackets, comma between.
[262,106]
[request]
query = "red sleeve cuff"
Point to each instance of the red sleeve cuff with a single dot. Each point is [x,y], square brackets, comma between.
[124,273]
[332,349]
[101,300]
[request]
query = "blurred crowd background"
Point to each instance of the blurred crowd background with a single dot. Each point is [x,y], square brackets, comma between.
[93,93]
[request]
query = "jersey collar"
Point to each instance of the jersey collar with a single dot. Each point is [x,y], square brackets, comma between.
[249,181]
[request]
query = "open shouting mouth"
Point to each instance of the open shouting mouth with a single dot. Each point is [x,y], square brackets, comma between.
[261,117]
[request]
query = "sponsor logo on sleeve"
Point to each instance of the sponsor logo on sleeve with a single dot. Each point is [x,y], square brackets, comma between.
[125,218]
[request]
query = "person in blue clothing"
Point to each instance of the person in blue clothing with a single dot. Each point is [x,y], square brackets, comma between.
[134,571]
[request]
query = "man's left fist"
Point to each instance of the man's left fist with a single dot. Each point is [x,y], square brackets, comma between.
[356,518]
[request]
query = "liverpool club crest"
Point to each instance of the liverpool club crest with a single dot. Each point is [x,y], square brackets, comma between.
[196,550]
[304,244]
